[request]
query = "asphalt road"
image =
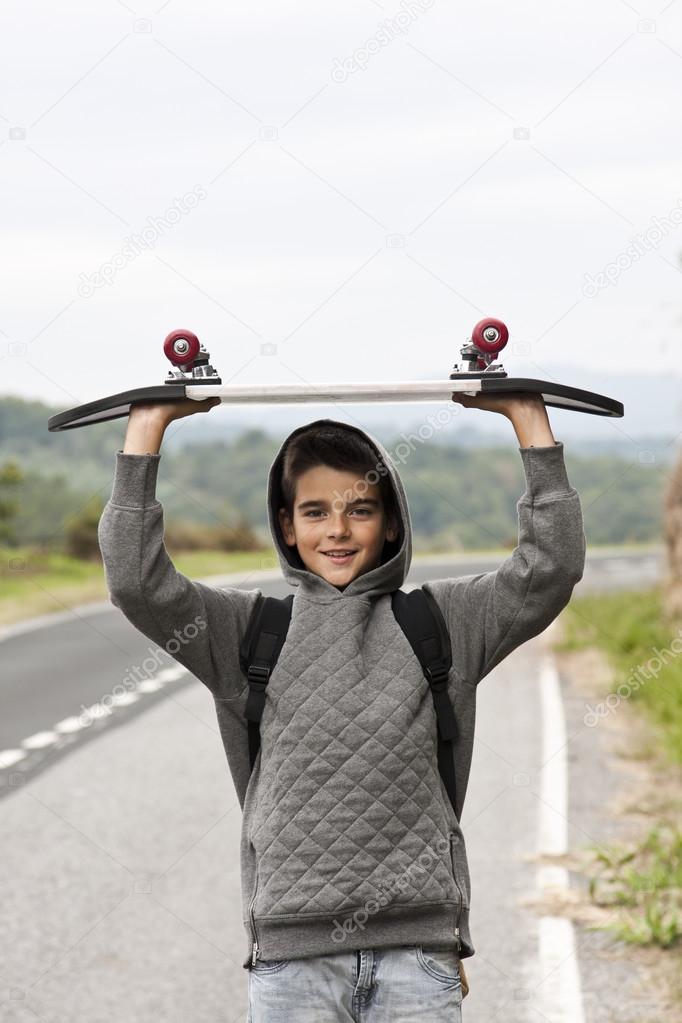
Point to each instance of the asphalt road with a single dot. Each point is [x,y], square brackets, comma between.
[120,880]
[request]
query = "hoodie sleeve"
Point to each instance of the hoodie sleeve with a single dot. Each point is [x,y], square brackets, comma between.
[492,613]
[198,625]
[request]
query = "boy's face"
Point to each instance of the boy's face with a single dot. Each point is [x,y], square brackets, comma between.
[337,510]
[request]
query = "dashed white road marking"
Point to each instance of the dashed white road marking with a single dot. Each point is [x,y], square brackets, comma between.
[8,757]
[63,731]
[149,685]
[170,674]
[123,699]
[39,740]
[68,725]
[560,989]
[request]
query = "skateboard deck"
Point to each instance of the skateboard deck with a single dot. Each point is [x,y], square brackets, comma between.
[195,378]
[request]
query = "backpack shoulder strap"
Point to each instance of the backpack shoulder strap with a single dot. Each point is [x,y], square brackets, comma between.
[258,653]
[421,619]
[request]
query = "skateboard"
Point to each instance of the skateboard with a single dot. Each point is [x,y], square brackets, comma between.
[478,371]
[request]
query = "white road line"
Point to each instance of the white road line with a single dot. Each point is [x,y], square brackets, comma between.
[39,740]
[123,699]
[68,726]
[553,824]
[149,685]
[8,757]
[560,989]
[170,674]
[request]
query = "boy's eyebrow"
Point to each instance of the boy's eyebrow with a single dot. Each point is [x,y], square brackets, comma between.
[358,500]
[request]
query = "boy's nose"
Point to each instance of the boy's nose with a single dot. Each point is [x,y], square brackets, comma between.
[338,526]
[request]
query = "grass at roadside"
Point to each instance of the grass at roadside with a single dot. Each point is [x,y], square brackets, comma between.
[35,583]
[644,653]
[643,879]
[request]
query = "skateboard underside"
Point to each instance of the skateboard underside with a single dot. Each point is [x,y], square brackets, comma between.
[117,406]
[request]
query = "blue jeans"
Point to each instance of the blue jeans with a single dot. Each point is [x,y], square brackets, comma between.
[391,985]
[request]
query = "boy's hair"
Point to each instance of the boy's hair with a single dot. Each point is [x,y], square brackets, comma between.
[339,449]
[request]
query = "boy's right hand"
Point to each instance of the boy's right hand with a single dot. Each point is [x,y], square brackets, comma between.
[147,422]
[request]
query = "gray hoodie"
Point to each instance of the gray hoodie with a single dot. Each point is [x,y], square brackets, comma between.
[348,838]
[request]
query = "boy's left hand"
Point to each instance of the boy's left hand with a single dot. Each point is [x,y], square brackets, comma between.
[507,403]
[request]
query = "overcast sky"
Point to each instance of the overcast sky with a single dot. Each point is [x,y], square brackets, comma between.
[354,183]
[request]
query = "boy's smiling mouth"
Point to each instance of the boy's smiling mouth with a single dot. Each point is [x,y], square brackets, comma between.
[339,555]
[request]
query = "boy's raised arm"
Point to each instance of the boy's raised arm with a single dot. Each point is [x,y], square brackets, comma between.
[180,615]
[492,613]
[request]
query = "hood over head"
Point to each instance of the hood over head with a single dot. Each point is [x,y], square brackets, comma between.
[389,575]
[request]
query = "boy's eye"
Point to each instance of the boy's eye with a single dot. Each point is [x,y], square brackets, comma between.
[318,511]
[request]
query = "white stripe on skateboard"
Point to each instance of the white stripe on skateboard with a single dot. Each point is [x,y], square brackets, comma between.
[370,391]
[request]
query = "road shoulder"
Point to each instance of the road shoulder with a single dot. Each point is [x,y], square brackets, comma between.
[619,787]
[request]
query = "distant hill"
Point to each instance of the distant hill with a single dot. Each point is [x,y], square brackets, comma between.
[462,485]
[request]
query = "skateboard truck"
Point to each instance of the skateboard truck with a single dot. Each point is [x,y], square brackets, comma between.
[488,337]
[190,358]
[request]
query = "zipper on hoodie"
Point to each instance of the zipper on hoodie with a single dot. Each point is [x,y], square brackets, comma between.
[255,949]
[452,837]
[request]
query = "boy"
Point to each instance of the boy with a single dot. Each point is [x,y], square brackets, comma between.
[355,882]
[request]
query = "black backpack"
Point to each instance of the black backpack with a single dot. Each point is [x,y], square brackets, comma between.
[421,620]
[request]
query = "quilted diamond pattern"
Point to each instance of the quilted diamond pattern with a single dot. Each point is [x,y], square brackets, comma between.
[349,795]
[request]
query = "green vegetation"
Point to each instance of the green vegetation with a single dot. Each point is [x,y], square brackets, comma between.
[629,627]
[645,883]
[643,880]
[10,477]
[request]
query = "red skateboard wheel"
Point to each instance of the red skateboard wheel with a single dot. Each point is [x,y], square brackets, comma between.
[490,335]
[181,347]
